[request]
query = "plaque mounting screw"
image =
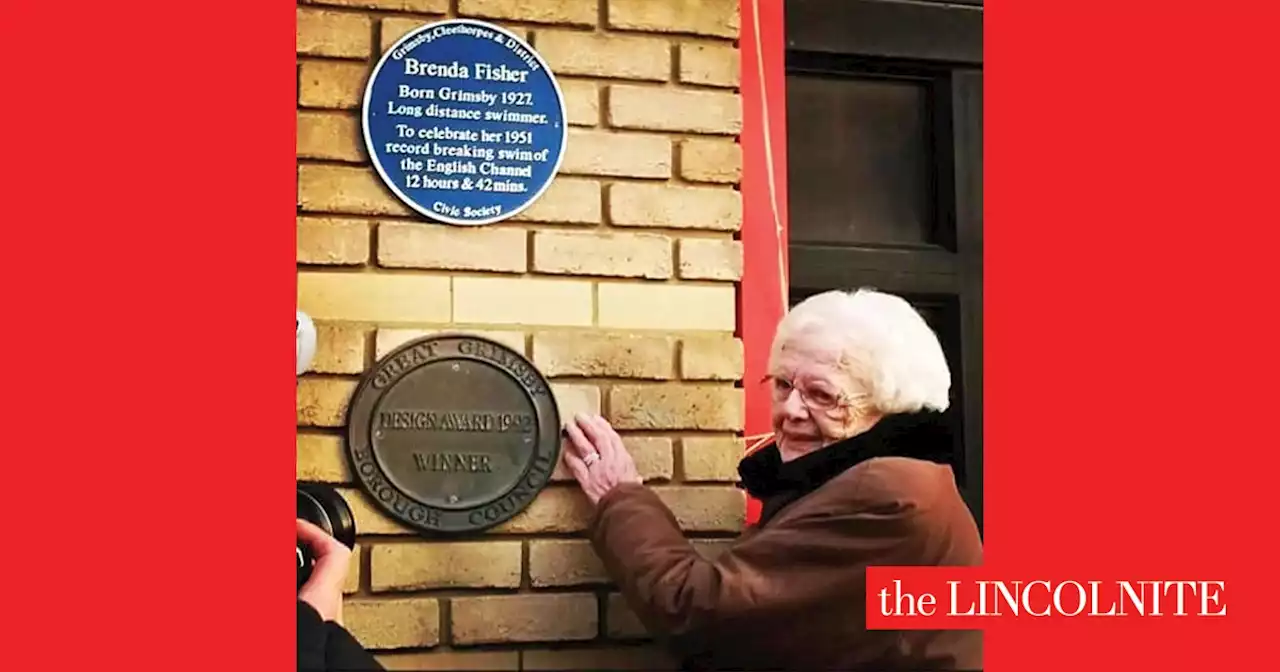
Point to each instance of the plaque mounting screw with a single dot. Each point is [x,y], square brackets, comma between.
[457,368]
[453,499]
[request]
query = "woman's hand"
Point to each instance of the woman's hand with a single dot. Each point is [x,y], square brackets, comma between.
[323,590]
[596,457]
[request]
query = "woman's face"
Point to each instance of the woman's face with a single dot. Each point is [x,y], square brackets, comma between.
[814,400]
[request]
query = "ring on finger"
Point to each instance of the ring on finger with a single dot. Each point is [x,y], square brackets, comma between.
[591,459]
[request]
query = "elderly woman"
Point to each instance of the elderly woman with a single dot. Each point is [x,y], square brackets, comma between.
[858,380]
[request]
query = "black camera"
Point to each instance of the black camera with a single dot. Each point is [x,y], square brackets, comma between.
[325,508]
[318,504]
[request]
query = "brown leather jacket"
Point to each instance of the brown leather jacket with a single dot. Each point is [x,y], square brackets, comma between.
[790,593]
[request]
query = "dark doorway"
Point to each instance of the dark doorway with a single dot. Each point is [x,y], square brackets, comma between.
[884,134]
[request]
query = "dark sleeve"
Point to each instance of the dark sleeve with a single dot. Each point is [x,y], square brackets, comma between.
[325,646]
[773,576]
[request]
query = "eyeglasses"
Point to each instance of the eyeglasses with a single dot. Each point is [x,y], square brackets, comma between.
[814,397]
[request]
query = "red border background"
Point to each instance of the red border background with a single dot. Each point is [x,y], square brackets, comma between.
[762,296]
[149,271]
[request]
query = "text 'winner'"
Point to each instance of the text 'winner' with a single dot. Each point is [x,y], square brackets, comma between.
[464,122]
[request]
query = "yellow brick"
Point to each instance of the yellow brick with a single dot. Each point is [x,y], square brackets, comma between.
[704,160]
[714,358]
[617,154]
[710,259]
[519,31]
[620,621]
[554,510]
[567,201]
[502,619]
[430,6]
[322,459]
[712,548]
[373,297]
[390,339]
[337,34]
[711,64]
[612,254]
[464,248]
[603,355]
[562,473]
[392,28]
[689,111]
[352,584]
[331,84]
[572,12]
[603,55]
[333,241]
[581,102]
[393,624]
[340,348]
[711,458]
[667,306]
[452,661]
[322,402]
[566,562]
[488,564]
[574,399]
[676,207]
[329,135]
[346,189]
[705,508]
[652,455]
[368,516]
[700,17]
[650,658]
[522,301]
[670,406]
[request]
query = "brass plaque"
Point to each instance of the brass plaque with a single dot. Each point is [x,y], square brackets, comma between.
[453,433]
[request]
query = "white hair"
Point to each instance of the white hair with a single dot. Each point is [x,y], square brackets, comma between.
[878,338]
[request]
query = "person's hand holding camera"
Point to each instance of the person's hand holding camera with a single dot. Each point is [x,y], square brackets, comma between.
[323,591]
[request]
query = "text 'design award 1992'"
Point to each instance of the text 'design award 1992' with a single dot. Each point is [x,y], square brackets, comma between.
[453,433]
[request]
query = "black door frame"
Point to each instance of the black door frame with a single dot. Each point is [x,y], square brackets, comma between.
[942,43]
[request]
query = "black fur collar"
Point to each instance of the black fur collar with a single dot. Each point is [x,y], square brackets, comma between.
[766,477]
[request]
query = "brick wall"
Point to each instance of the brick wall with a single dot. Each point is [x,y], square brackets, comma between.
[619,284]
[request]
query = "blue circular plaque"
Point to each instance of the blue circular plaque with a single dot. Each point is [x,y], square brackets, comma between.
[464,122]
